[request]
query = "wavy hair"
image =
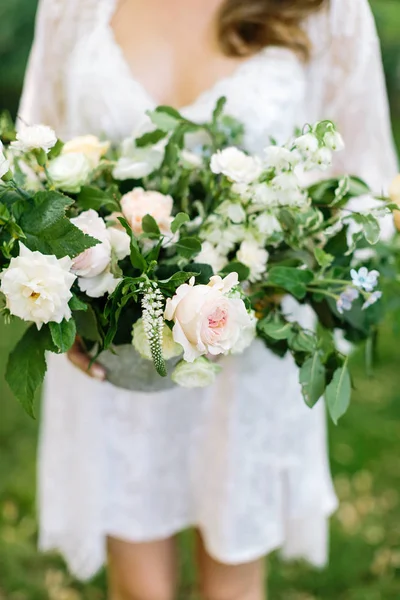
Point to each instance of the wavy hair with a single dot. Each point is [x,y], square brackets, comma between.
[246,26]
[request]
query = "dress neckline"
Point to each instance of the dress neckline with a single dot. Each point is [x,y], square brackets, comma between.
[208,92]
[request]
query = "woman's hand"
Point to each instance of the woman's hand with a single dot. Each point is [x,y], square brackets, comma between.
[81,359]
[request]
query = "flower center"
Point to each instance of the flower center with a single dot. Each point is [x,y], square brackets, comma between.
[35,295]
[217,319]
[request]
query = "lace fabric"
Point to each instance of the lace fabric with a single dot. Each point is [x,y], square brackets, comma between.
[245,461]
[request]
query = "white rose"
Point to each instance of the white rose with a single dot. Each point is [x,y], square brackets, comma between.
[69,172]
[334,141]
[190,160]
[139,203]
[4,165]
[209,255]
[206,320]
[267,224]
[95,287]
[199,373]
[279,158]
[37,287]
[95,260]
[236,165]
[90,146]
[170,348]
[35,137]
[307,143]
[254,257]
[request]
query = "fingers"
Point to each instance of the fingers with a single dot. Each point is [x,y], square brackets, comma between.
[79,357]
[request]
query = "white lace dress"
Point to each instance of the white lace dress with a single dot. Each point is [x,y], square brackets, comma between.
[245,461]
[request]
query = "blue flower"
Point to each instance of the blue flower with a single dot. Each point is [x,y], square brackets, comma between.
[346,299]
[364,279]
[374,297]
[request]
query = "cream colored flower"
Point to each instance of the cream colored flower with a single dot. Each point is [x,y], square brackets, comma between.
[90,146]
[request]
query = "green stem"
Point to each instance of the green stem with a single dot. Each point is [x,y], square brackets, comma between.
[323,292]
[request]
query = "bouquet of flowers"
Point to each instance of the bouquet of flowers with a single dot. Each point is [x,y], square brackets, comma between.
[177,247]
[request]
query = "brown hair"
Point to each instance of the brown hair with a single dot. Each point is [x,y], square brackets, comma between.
[246,26]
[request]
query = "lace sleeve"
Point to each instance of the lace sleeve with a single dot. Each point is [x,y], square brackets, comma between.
[59,23]
[355,95]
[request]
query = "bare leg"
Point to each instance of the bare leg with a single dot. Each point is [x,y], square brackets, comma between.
[145,571]
[229,582]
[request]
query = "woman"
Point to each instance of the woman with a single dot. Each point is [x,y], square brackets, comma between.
[245,462]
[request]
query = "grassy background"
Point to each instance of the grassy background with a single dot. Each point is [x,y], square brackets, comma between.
[365,448]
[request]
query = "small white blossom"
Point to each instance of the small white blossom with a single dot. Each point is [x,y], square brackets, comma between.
[153,323]
[267,224]
[334,141]
[265,195]
[233,211]
[236,165]
[35,137]
[308,143]
[254,257]
[279,158]
[346,299]
[37,287]
[373,298]
[210,255]
[321,159]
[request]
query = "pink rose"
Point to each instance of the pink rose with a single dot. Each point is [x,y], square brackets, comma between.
[138,203]
[206,319]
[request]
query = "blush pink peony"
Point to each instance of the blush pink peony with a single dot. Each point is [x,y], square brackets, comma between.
[138,203]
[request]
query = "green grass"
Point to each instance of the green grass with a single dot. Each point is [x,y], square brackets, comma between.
[365,546]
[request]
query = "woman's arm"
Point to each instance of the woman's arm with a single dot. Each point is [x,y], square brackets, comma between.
[356,98]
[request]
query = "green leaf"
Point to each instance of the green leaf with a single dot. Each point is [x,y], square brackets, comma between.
[26,365]
[151,138]
[370,225]
[219,108]
[56,150]
[237,267]
[188,246]
[179,220]
[323,258]
[165,118]
[86,324]
[149,225]
[176,279]
[338,393]
[358,187]
[63,334]
[137,259]
[312,379]
[49,231]
[291,279]
[76,304]
[93,197]
[204,272]
[302,341]
[277,329]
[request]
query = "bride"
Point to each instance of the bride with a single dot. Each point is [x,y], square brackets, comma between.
[244,463]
